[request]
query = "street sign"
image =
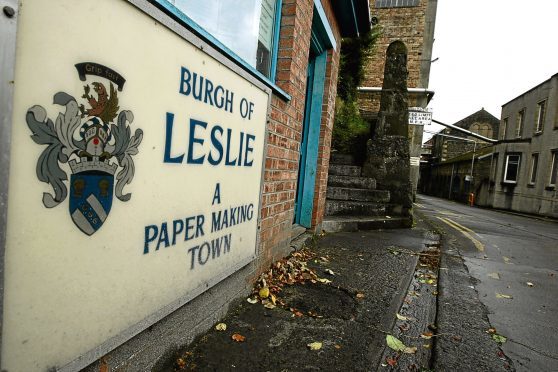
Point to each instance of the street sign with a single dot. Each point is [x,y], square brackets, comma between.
[420,116]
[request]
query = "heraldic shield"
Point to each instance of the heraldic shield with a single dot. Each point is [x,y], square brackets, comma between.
[95,139]
[90,199]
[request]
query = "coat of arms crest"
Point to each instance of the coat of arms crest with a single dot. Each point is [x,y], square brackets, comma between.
[92,143]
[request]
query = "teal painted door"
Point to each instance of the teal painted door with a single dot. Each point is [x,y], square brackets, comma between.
[310,138]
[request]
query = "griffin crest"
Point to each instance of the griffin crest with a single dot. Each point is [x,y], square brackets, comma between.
[104,106]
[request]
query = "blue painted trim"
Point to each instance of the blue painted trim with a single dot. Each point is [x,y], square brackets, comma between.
[276,33]
[304,142]
[354,17]
[193,26]
[313,139]
[321,13]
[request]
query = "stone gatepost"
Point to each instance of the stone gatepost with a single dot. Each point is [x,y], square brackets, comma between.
[387,157]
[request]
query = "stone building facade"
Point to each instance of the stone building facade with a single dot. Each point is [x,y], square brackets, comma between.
[481,122]
[450,171]
[410,22]
[520,171]
[524,173]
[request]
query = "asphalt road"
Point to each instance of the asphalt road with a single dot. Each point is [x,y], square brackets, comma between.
[514,260]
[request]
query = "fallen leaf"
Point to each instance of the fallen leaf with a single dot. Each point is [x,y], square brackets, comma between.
[491,330]
[221,327]
[298,314]
[410,350]
[104,365]
[238,337]
[500,295]
[269,305]
[252,300]
[435,293]
[530,284]
[324,280]
[391,361]
[394,343]
[427,335]
[264,292]
[329,271]
[273,299]
[337,347]
[315,346]
[401,317]
[506,259]
[180,362]
[499,338]
[360,295]
[494,276]
[426,346]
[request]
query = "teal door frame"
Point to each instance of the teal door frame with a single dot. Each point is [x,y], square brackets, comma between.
[312,122]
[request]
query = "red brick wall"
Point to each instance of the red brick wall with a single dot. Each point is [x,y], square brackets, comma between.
[328,113]
[285,130]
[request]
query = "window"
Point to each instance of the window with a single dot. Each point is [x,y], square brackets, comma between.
[396,3]
[534,166]
[554,168]
[519,123]
[247,27]
[504,128]
[511,170]
[539,122]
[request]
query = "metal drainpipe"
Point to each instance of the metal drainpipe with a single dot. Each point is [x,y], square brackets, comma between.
[451,180]
[473,159]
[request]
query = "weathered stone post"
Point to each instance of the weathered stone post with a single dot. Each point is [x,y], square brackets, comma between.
[387,157]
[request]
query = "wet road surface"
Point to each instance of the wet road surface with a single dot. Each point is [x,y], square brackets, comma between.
[514,259]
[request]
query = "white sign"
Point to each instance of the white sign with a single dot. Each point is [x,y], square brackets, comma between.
[420,116]
[135,178]
[415,161]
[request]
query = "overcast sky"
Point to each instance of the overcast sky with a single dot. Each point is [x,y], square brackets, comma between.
[490,51]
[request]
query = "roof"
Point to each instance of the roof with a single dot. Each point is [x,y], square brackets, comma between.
[469,155]
[535,87]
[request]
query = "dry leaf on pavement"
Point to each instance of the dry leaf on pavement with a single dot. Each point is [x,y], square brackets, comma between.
[238,337]
[264,292]
[401,317]
[315,346]
[221,327]
[427,335]
[500,295]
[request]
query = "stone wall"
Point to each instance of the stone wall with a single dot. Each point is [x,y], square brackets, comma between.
[414,26]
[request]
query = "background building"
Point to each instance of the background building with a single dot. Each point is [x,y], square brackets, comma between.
[525,161]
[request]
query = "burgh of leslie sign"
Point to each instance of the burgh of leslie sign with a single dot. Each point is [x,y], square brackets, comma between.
[135,179]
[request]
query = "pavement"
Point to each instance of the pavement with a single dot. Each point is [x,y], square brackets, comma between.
[333,305]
